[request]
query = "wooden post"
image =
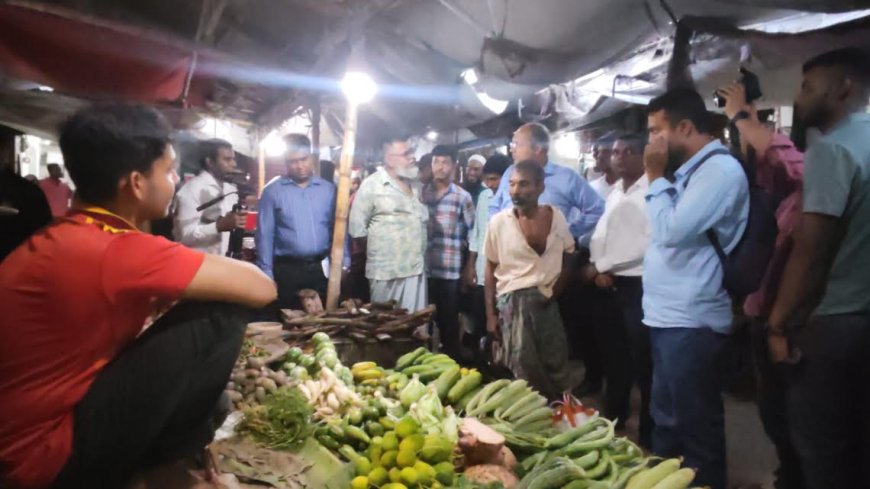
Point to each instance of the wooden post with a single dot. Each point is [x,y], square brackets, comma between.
[261,164]
[341,207]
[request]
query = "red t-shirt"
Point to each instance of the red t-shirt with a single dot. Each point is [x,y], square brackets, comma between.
[71,297]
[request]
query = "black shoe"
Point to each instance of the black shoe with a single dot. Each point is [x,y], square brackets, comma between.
[587,388]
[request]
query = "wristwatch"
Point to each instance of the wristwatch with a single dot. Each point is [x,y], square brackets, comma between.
[740,116]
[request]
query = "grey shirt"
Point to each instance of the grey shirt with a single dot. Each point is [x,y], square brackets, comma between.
[837,183]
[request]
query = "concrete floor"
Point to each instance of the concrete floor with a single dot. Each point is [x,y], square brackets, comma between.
[751,457]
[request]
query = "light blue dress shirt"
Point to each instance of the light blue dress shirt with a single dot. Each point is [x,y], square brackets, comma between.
[564,189]
[294,221]
[682,275]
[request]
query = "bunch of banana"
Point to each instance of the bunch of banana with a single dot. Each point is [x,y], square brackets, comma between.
[426,365]
[367,373]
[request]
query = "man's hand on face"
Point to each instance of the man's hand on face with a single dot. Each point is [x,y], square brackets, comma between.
[655,158]
[735,99]
[233,220]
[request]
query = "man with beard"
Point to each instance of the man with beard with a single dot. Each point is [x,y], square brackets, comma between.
[473,173]
[387,211]
[828,401]
[294,225]
[526,250]
[97,379]
[208,230]
[685,304]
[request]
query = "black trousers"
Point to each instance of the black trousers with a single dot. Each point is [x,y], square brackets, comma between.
[444,293]
[629,296]
[580,313]
[293,275]
[158,400]
[611,338]
[829,401]
[771,391]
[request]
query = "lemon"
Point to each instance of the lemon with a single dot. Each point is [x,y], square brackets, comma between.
[406,458]
[360,482]
[388,459]
[425,472]
[409,476]
[413,443]
[395,475]
[406,427]
[378,476]
[390,441]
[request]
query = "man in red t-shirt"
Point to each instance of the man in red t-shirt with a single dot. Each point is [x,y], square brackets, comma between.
[93,384]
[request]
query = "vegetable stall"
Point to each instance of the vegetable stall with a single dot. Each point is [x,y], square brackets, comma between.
[423,422]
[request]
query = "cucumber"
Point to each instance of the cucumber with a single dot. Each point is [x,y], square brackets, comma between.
[409,358]
[650,477]
[677,480]
[465,385]
[445,382]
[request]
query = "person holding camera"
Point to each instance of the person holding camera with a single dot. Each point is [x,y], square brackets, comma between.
[829,359]
[777,167]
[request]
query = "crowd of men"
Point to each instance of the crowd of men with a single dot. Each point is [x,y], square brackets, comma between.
[637,273]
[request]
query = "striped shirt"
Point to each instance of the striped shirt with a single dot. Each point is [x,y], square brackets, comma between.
[451,218]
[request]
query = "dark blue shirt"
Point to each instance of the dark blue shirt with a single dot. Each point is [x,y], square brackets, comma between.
[294,221]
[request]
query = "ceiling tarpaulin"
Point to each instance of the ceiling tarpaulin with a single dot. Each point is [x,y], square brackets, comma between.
[84,59]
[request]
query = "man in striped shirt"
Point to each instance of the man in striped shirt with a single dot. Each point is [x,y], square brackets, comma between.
[451,217]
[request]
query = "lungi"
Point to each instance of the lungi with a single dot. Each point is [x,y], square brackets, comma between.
[408,292]
[533,344]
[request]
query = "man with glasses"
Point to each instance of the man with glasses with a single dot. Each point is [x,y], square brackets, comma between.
[388,212]
[563,188]
[294,225]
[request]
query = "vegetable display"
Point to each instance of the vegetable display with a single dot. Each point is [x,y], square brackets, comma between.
[429,423]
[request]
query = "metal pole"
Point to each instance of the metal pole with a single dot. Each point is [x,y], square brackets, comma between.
[341,207]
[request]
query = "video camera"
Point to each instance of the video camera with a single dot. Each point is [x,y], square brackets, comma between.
[751,85]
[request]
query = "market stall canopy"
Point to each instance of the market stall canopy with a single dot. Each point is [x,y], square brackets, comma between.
[261,61]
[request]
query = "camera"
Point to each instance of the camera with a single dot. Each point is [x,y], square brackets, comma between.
[751,85]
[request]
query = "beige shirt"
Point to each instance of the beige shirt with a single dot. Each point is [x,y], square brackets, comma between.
[518,266]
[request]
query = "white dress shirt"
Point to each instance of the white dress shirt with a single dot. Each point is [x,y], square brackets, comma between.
[603,188]
[198,229]
[623,233]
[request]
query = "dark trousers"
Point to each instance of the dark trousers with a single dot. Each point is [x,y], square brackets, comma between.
[293,275]
[687,402]
[444,294]
[829,401]
[580,313]
[629,295]
[771,391]
[157,401]
[472,303]
[610,336]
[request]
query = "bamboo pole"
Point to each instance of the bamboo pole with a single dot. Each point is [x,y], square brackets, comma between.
[341,207]
[261,164]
